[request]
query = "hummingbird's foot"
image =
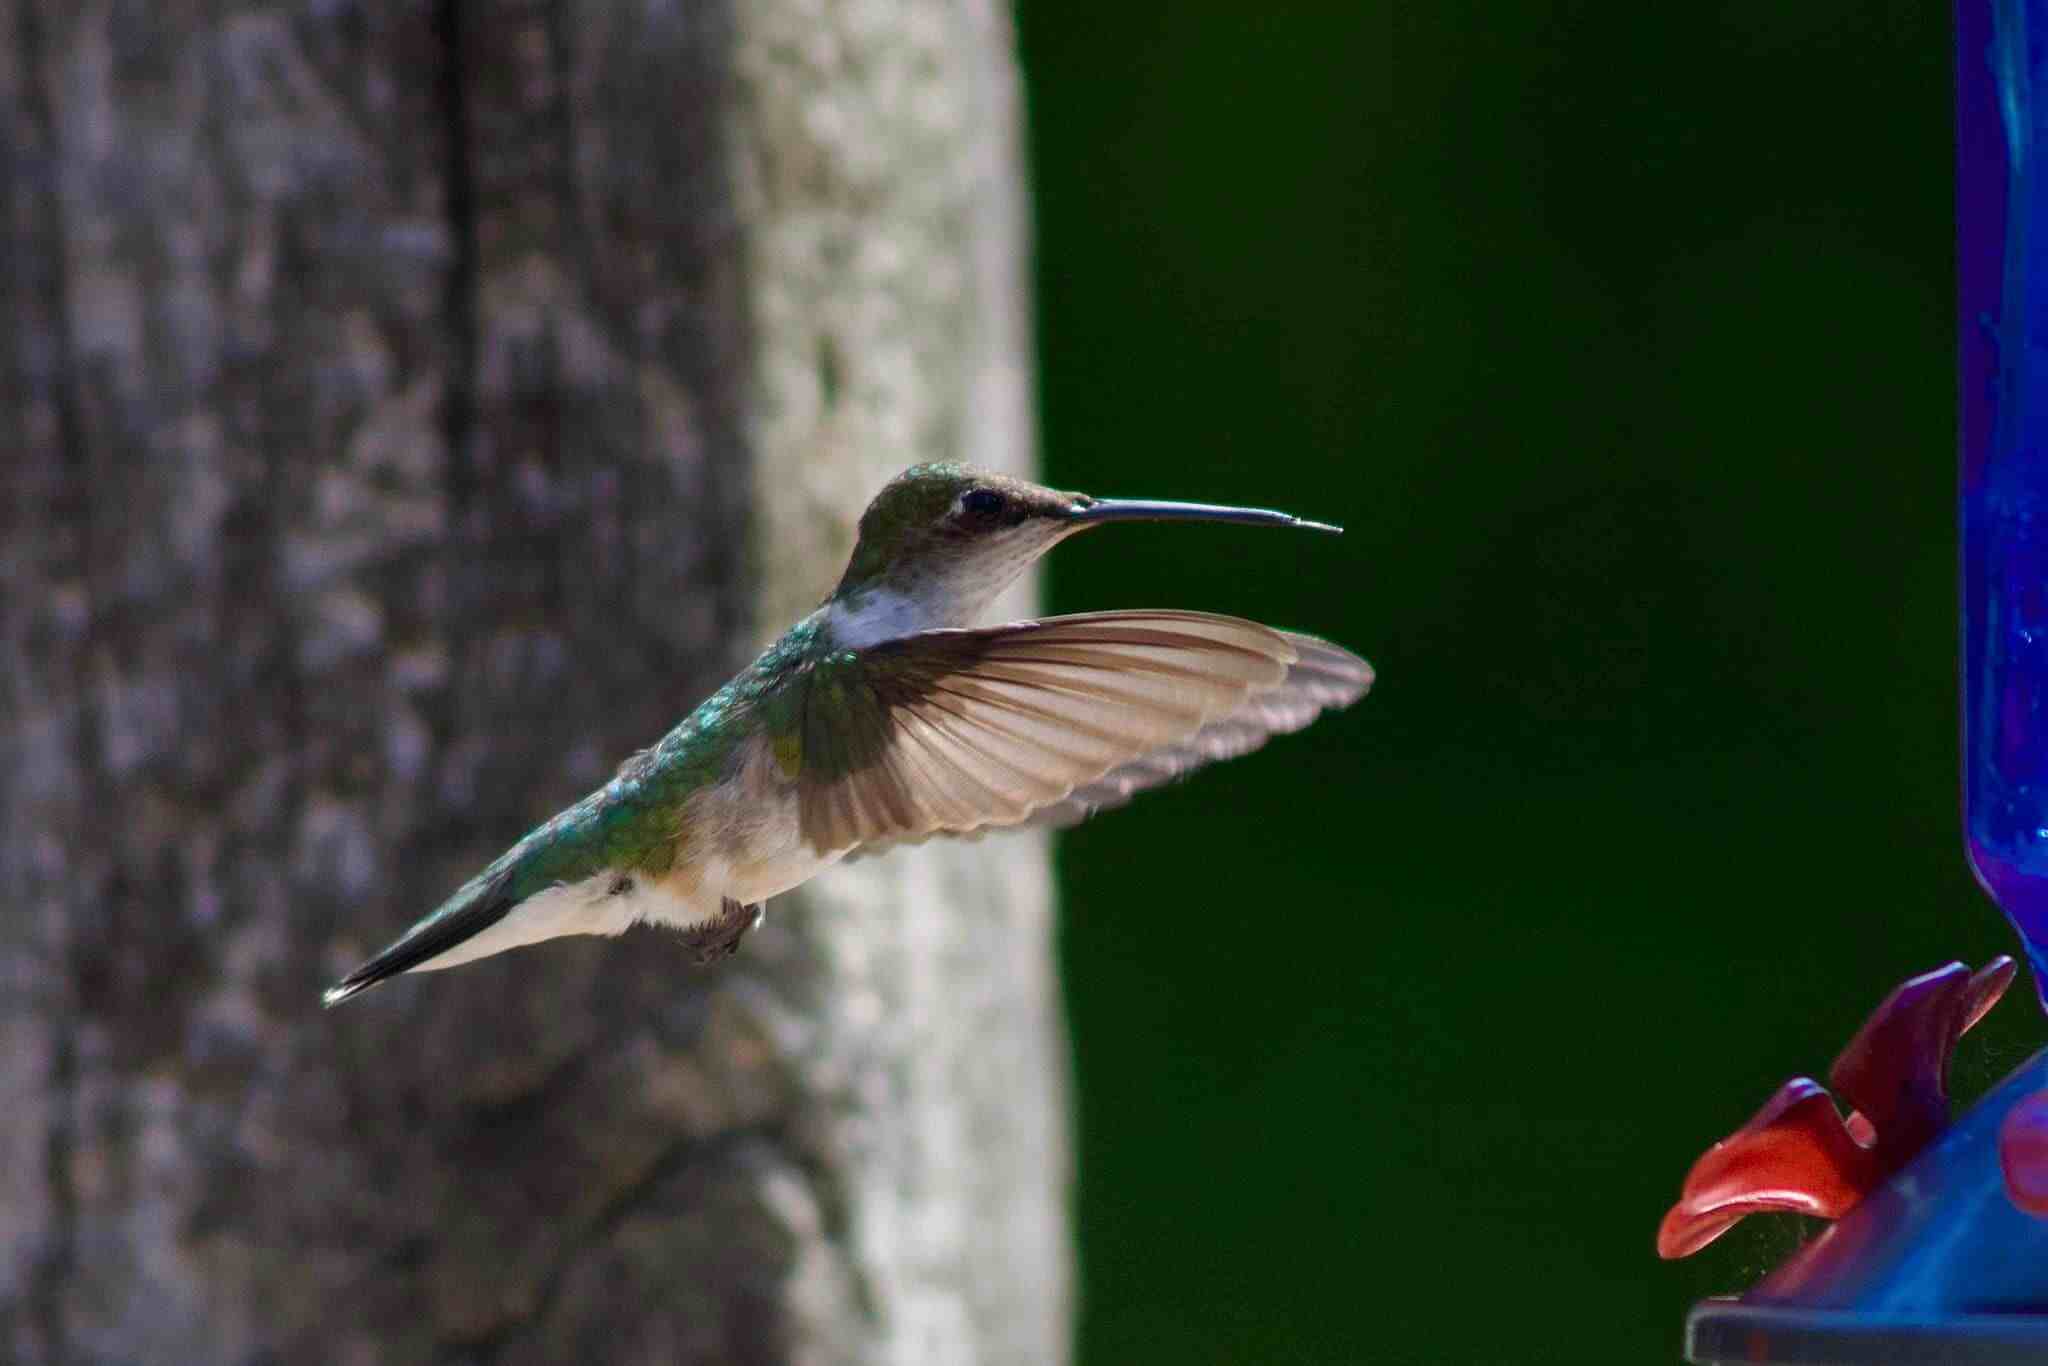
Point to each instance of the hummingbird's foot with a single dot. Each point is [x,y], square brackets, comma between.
[719,938]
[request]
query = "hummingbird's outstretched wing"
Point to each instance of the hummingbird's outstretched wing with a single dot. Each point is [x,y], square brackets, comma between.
[1321,677]
[955,731]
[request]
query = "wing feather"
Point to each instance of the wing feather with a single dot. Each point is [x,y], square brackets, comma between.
[954,732]
[1322,676]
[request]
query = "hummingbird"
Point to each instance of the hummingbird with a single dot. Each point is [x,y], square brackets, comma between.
[884,717]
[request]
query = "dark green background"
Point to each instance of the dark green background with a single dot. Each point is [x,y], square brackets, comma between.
[1620,337]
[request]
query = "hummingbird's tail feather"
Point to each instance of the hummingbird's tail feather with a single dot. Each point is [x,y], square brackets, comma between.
[478,906]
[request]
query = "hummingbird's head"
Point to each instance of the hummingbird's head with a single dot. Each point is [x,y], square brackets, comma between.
[940,541]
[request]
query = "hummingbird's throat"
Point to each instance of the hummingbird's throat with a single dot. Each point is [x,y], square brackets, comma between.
[873,615]
[938,585]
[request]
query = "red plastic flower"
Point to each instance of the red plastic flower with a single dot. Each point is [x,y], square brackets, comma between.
[1800,1153]
[2023,1153]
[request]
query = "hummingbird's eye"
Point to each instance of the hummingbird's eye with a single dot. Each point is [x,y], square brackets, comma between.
[983,503]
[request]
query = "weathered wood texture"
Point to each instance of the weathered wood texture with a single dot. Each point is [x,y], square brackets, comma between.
[408,411]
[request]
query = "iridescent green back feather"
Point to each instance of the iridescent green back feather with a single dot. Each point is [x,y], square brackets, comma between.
[633,824]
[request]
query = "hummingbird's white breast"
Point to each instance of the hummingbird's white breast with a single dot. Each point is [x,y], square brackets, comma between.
[743,840]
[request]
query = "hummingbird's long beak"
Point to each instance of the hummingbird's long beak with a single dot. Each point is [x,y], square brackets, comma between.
[1100,510]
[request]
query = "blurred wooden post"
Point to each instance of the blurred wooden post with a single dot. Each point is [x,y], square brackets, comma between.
[408,411]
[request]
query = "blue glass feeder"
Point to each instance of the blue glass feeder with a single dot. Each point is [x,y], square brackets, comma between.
[1941,1263]
[2002,298]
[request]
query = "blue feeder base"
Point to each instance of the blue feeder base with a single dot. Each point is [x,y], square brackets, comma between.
[1731,1333]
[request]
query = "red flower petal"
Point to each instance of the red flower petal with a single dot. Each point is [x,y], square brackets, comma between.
[1895,1071]
[1987,984]
[1795,1154]
[2023,1154]
[1798,1153]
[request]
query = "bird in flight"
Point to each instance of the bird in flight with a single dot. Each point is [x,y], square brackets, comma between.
[884,718]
